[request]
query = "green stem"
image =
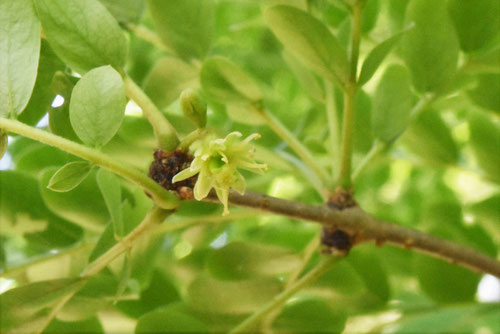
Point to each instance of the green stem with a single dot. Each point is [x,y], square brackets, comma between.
[377,147]
[183,223]
[164,131]
[345,180]
[191,138]
[154,217]
[333,125]
[162,198]
[149,36]
[280,299]
[307,254]
[302,151]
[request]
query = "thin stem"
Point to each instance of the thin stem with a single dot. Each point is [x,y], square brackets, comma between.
[349,97]
[344,179]
[164,131]
[180,224]
[161,197]
[154,217]
[307,254]
[280,299]
[149,36]
[191,138]
[377,147]
[367,228]
[302,151]
[333,125]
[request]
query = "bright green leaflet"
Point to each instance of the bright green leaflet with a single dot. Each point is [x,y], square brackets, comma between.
[19,53]
[110,187]
[82,33]
[69,176]
[97,106]
[310,41]
[430,50]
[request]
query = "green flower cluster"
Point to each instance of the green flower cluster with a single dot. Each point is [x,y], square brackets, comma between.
[216,161]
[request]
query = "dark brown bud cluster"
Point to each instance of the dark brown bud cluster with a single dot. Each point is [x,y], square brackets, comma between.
[337,241]
[166,165]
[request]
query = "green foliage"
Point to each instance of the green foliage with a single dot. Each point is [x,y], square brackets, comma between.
[83,35]
[476,22]
[69,176]
[83,245]
[392,103]
[97,106]
[19,50]
[310,41]
[430,49]
[186,27]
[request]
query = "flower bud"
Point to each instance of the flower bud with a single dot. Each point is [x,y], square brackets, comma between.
[193,107]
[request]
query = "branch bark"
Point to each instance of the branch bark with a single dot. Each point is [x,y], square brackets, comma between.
[366,228]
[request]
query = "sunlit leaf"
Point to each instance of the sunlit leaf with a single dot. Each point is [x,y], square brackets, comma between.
[19,51]
[83,34]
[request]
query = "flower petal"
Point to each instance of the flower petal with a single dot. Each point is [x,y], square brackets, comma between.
[223,194]
[239,184]
[202,186]
[184,174]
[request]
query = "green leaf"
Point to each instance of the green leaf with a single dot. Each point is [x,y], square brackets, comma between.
[485,94]
[19,51]
[225,82]
[240,260]
[377,56]
[468,318]
[23,307]
[125,11]
[430,138]
[445,282]
[310,315]
[90,325]
[307,79]
[477,22]
[83,205]
[430,50]
[38,156]
[168,78]
[392,103]
[488,216]
[97,106]
[372,272]
[42,95]
[26,211]
[82,33]
[185,26]
[485,143]
[371,10]
[111,190]
[69,176]
[168,320]
[231,297]
[310,41]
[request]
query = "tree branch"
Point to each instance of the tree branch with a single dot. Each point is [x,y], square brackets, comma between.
[365,228]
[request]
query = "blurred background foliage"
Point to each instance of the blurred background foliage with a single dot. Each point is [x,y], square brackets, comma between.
[441,175]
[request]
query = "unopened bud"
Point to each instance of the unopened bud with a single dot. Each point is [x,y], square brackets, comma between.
[194,107]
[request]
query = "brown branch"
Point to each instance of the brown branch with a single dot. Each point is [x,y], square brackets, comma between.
[366,228]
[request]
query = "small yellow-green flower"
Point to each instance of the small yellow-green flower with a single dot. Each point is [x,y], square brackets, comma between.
[216,161]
